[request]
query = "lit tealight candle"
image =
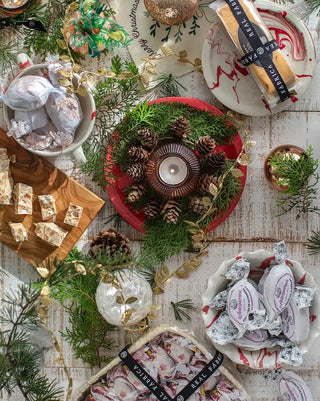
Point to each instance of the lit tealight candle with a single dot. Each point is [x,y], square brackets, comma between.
[173,170]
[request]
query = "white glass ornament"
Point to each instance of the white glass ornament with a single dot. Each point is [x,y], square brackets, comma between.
[132,286]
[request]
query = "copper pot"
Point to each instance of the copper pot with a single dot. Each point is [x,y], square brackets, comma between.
[187,170]
[269,171]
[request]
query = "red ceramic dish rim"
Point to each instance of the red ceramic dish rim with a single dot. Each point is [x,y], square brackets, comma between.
[136,217]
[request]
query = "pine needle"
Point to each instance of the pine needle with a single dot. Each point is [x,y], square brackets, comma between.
[180,307]
[169,85]
[314,245]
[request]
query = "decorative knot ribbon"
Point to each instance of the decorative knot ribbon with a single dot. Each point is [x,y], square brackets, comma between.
[158,390]
[29,23]
[262,51]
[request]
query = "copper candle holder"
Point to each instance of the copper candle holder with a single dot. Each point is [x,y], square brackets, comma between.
[271,176]
[10,8]
[173,170]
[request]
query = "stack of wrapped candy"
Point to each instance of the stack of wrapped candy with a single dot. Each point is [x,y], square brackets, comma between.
[272,312]
[45,114]
[172,361]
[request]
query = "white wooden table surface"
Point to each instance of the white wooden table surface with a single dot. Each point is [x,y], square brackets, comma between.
[252,225]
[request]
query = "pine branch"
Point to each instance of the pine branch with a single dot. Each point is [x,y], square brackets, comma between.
[19,361]
[113,97]
[180,307]
[89,334]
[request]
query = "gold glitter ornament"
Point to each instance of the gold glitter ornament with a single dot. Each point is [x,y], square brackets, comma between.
[171,12]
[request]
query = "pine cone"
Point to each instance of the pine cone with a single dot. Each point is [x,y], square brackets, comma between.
[216,160]
[138,154]
[110,242]
[204,182]
[197,205]
[170,211]
[152,209]
[180,128]
[148,138]
[136,193]
[136,171]
[205,145]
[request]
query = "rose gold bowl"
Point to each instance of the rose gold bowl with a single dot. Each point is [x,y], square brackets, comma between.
[273,178]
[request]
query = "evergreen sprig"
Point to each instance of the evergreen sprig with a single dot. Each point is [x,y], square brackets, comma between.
[113,97]
[300,177]
[314,5]
[180,309]
[7,58]
[314,243]
[19,361]
[89,333]
[169,85]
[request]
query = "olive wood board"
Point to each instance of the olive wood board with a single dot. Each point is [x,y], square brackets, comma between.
[45,179]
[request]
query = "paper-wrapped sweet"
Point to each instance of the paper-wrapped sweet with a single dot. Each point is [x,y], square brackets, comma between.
[48,137]
[238,270]
[37,141]
[6,181]
[18,231]
[26,121]
[223,330]
[296,322]
[278,289]
[64,110]
[290,355]
[27,93]
[255,339]
[50,233]
[303,296]
[293,388]
[219,302]
[244,307]
[23,195]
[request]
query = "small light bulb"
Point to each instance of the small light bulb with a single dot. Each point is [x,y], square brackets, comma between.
[172,170]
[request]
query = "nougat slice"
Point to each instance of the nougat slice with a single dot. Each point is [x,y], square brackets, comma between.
[73,215]
[18,231]
[50,233]
[23,194]
[6,181]
[48,206]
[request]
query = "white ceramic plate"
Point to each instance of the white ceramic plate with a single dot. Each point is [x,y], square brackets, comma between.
[230,82]
[266,358]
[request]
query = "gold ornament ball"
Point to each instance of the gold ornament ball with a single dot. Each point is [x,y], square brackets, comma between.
[275,180]
[171,12]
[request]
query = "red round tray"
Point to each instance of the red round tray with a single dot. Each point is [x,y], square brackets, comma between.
[136,217]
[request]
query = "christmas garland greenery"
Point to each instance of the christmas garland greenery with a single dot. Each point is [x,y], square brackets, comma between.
[162,239]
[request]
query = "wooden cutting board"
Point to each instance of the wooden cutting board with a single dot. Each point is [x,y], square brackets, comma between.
[45,179]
